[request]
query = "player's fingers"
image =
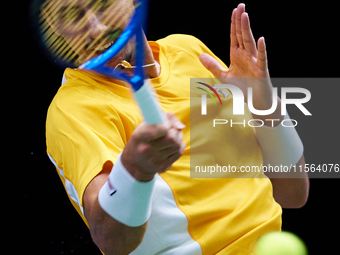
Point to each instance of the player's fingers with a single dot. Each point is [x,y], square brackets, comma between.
[147,133]
[262,54]
[183,145]
[167,163]
[233,39]
[212,65]
[174,122]
[247,35]
[239,11]
[171,143]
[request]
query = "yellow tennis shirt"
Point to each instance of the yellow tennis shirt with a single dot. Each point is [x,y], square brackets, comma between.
[90,121]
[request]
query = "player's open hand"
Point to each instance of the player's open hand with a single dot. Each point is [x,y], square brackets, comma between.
[153,148]
[247,60]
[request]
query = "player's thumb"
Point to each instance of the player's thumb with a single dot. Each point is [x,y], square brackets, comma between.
[211,64]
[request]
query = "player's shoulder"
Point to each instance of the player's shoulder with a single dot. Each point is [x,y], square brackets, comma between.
[73,95]
[181,40]
[184,42]
[75,84]
[67,94]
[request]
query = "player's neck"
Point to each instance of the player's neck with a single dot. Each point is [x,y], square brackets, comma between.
[152,71]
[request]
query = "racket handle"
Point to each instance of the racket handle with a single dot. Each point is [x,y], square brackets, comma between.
[147,102]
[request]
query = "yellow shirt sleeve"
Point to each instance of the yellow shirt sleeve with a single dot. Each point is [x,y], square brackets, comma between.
[191,44]
[83,130]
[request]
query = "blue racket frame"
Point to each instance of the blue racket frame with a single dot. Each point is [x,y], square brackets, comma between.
[133,29]
[145,98]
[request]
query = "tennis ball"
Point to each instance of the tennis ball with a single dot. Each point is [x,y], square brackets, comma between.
[280,243]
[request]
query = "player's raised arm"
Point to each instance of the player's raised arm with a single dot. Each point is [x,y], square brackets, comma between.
[248,60]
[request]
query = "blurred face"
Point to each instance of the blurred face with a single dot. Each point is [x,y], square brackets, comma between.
[90,26]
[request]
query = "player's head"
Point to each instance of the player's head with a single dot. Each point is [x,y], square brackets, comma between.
[88,27]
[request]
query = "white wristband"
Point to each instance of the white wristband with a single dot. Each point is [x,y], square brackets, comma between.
[124,198]
[280,145]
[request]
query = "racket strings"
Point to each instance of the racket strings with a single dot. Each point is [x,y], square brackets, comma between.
[78,49]
[51,40]
[123,20]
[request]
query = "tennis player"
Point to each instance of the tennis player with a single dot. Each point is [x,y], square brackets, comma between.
[130,182]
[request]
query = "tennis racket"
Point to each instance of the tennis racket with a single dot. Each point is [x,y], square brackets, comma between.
[98,35]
